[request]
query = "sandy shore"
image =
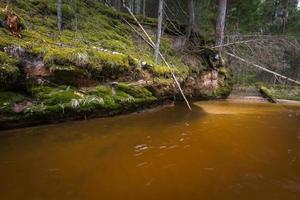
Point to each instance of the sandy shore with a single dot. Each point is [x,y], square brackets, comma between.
[259,99]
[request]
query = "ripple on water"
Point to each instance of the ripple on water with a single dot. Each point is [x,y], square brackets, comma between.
[141,147]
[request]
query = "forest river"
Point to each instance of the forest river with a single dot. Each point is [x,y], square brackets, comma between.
[222,150]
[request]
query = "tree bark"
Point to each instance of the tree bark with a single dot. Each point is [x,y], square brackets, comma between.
[220,26]
[59,15]
[159,28]
[191,22]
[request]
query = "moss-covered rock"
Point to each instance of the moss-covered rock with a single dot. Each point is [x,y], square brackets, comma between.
[268,94]
[134,91]
[225,84]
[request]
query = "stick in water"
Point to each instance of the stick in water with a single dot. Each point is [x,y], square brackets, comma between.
[162,57]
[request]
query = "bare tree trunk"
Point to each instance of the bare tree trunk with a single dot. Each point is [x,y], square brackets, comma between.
[285,16]
[131,5]
[220,26]
[159,27]
[144,8]
[191,22]
[59,15]
[137,6]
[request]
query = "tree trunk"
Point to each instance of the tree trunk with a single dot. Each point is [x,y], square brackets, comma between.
[159,28]
[220,26]
[131,5]
[144,8]
[59,15]
[191,22]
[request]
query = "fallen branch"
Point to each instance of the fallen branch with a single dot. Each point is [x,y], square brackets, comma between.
[262,68]
[229,44]
[162,57]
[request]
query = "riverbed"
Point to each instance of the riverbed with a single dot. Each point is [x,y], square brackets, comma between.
[221,150]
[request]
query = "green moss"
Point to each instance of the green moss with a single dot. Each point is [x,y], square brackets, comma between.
[162,70]
[134,91]
[103,90]
[225,86]
[223,90]
[133,95]
[267,93]
[226,72]
[9,72]
[166,47]
[53,96]
[63,100]
[105,93]
[105,64]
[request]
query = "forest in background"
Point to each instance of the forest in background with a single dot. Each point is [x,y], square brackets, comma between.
[250,16]
[272,28]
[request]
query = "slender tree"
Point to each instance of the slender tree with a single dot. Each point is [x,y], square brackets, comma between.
[144,8]
[159,29]
[191,22]
[59,15]
[220,26]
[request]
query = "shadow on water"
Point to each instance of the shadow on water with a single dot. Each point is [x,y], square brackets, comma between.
[167,116]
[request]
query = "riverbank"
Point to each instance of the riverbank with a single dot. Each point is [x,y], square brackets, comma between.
[151,107]
[10,123]
[49,76]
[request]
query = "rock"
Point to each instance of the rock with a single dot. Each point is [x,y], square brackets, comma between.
[114,84]
[36,68]
[19,107]
[143,63]
[15,51]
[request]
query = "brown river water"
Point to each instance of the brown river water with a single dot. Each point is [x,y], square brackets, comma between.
[222,150]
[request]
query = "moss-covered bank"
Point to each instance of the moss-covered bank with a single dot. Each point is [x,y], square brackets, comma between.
[95,67]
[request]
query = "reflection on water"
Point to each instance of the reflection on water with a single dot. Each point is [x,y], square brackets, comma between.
[219,151]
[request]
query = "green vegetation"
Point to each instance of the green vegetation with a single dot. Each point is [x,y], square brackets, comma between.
[92,32]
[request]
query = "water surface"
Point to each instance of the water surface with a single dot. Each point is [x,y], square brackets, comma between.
[221,150]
